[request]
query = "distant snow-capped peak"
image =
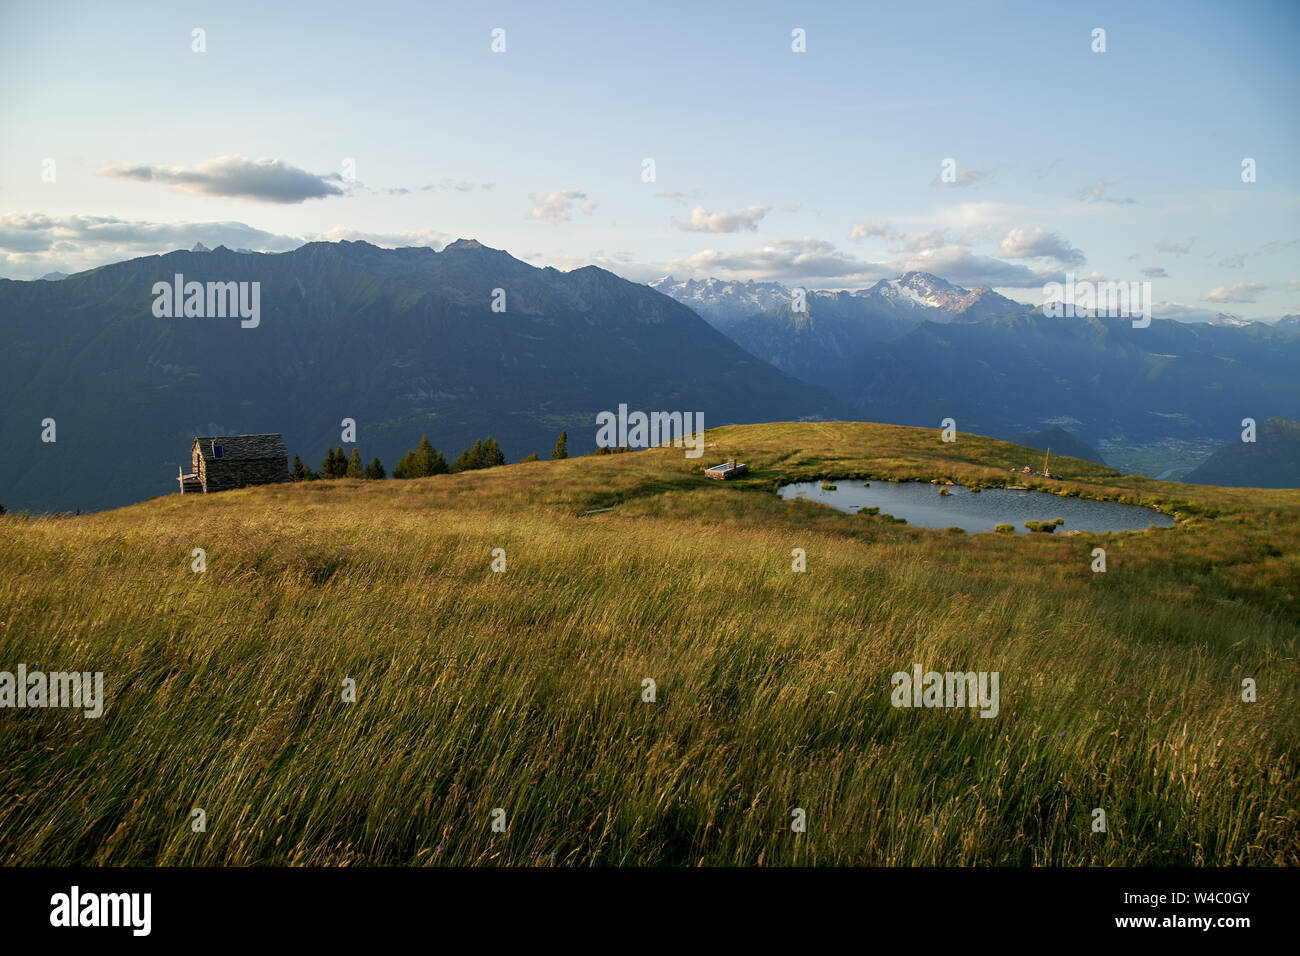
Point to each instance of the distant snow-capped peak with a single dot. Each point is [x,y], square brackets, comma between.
[926,291]
[913,295]
[722,300]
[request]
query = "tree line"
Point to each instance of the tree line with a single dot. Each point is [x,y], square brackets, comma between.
[422,461]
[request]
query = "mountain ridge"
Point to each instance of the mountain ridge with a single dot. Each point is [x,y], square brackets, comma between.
[1272,460]
[917,349]
[404,341]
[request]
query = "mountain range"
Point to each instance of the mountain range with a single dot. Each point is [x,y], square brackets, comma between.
[918,349]
[720,302]
[403,341]
[821,338]
[470,342]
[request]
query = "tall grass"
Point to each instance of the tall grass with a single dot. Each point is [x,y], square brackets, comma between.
[523,690]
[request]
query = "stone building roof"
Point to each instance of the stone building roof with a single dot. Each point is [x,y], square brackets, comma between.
[241,447]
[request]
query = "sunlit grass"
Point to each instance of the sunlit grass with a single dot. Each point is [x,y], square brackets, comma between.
[522,690]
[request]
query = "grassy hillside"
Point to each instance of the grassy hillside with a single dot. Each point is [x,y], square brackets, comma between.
[522,690]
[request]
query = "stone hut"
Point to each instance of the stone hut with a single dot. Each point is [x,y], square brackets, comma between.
[222,462]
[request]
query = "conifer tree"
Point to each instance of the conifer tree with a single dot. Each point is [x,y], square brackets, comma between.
[492,454]
[375,470]
[354,467]
[486,453]
[424,461]
[428,460]
[561,447]
[298,473]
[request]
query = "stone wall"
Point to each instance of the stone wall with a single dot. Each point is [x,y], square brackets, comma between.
[225,474]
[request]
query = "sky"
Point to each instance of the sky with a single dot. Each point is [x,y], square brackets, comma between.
[989,143]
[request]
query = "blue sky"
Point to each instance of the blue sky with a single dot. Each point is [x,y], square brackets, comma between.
[819,168]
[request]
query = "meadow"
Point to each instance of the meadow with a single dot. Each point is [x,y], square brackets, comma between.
[523,690]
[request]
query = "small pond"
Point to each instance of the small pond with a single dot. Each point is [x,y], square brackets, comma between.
[920,503]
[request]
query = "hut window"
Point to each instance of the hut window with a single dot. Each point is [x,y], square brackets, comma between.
[216,450]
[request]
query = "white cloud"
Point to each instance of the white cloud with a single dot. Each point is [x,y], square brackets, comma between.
[875,230]
[922,241]
[1179,312]
[1238,292]
[814,261]
[1038,243]
[557,205]
[33,244]
[903,242]
[959,265]
[804,259]
[737,220]
[976,221]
